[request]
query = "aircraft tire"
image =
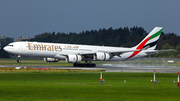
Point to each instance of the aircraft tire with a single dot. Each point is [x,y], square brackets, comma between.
[75,65]
[88,65]
[84,65]
[19,61]
[93,65]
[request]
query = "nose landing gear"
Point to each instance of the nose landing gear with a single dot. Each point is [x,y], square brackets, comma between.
[19,59]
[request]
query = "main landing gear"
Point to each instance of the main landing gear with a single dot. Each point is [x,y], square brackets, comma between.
[19,59]
[84,65]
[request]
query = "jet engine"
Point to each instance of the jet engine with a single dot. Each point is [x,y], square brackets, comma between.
[101,56]
[73,59]
[51,60]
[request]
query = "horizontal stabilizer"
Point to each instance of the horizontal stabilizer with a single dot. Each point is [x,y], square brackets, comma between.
[150,52]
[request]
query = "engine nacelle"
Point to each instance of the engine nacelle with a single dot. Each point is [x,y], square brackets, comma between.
[73,59]
[101,56]
[51,60]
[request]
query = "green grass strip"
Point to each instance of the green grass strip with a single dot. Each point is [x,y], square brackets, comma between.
[69,86]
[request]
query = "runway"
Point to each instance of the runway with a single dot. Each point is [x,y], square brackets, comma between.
[112,68]
[141,68]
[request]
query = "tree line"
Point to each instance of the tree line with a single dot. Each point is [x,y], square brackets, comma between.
[3,43]
[107,37]
[121,37]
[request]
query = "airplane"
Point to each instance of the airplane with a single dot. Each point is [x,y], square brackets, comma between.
[75,53]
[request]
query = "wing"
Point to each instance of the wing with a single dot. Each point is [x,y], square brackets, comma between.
[90,54]
[93,52]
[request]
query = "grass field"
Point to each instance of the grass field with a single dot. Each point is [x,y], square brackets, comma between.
[70,86]
[78,85]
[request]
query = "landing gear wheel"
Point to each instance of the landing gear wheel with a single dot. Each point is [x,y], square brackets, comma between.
[75,64]
[84,65]
[19,58]
[19,61]
[81,65]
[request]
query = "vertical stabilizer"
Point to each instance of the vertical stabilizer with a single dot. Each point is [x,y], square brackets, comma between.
[150,41]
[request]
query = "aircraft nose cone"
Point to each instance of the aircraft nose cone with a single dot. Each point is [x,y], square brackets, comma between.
[5,48]
[9,49]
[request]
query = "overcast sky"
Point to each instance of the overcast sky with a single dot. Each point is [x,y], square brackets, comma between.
[33,17]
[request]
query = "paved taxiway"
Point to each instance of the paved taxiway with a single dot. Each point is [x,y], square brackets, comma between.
[113,68]
[141,68]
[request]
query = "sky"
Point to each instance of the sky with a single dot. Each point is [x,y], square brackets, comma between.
[33,17]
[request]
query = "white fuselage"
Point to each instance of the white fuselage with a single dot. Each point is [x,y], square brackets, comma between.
[57,50]
[74,53]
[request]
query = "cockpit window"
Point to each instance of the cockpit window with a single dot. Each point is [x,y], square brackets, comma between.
[10,45]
